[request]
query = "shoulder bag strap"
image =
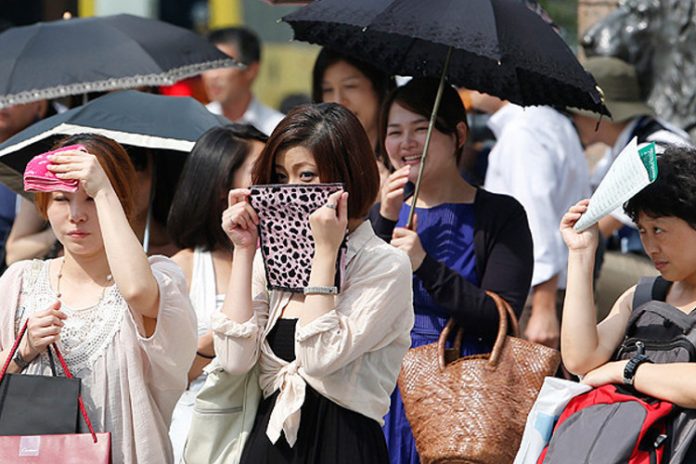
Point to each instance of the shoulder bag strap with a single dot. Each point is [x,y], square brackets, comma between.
[660,289]
[81,403]
[13,350]
[644,291]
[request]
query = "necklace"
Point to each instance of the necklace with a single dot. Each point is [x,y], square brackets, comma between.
[60,275]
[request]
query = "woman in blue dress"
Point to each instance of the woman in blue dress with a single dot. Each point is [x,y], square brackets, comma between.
[465,240]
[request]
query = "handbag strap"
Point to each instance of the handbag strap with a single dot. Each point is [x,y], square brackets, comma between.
[442,342]
[501,303]
[507,316]
[51,363]
[63,364]
[13,350]
[81,403]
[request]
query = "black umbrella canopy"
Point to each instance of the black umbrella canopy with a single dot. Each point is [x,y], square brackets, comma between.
[168,125]
[499,47]
[76,56]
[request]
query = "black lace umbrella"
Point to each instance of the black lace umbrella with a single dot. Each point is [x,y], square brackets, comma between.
[499,47]
[77,56]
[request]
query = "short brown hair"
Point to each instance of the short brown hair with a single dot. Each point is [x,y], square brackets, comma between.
[340,148]
[113,159]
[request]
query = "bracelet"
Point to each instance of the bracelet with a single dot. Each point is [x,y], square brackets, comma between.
[204,356]
[320,290]
[20,361]
[631,368]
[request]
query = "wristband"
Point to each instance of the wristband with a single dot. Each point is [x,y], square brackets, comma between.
[320,290]
[204,356]
[20,361]
[639,358]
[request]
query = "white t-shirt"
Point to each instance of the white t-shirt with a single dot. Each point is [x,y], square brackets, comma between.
[538,160]
[257,114]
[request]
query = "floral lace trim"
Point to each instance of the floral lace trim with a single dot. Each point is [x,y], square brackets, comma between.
[87,332]
[164,78]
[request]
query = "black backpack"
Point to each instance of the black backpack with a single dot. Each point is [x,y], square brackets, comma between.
[647,126]
[668,335]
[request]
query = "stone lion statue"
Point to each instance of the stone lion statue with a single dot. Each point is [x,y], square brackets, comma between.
[659,38]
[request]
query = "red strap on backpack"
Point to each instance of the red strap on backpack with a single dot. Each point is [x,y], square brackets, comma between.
[66,370]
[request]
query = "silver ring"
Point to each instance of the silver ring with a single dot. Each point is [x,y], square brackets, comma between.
[331,206]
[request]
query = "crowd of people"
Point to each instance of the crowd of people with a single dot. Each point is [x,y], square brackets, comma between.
[144,327]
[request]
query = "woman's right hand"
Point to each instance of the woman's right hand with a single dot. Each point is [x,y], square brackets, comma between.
[239,220]
[586,240]
[329,223]
[82,166]
[392,195]
[43,329]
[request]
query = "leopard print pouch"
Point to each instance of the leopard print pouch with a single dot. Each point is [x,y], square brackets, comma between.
[287,245]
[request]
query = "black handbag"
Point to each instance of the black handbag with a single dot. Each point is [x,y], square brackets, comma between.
[37,404]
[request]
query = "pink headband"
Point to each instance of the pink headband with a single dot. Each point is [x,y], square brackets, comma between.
[37,178]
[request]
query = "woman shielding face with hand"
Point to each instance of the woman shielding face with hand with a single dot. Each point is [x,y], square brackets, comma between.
[92,223]
[304,344]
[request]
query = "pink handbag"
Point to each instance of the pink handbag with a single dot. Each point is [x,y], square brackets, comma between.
[76,448]
[287,245]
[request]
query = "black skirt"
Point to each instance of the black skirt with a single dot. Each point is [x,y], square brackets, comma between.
[328,432]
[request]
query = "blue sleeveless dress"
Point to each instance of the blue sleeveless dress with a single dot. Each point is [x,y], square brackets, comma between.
[447,234]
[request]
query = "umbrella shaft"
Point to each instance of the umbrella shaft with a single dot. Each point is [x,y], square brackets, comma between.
[426,145]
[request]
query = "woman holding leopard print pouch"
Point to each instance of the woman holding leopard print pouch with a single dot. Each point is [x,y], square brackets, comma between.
[328,360]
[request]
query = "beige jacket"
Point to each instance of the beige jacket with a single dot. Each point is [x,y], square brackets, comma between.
[351,355]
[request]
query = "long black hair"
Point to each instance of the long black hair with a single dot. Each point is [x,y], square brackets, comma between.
[201,195]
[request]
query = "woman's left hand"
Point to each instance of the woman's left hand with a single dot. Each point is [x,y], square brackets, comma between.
[611,372]
[329,223]
[407,240]
[82,166]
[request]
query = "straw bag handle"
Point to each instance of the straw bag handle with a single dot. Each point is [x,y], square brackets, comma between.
[506,314]
[63,364]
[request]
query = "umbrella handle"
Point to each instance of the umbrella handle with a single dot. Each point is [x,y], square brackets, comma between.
[431,124]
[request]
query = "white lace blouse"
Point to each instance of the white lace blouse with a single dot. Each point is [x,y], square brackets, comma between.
[130,383]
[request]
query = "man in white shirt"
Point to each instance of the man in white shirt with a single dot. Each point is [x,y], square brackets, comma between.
[229,89]
[538,160]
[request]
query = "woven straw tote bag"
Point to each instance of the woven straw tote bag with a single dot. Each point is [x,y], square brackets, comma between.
[473,409]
